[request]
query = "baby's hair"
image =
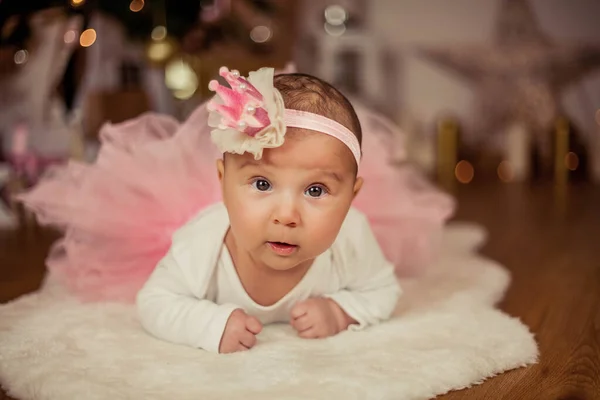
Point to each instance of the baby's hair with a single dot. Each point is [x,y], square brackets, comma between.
[307,93]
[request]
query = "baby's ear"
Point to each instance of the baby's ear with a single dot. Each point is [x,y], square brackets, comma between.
[357,186]
[220,170]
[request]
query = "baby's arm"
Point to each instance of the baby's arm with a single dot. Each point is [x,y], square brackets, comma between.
[172,305]
[371,290]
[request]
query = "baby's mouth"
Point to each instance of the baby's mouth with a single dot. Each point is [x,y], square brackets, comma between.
[282,248]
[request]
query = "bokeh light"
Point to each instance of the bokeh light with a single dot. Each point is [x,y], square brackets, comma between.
[136,5]
[505,172]
[159,33]
[260,34]
[70,36]
[159,51]
[87,38]
[464,171]
[335,15]
[335,18]
[181,79]
[335,30]
[21,57]
[571,161]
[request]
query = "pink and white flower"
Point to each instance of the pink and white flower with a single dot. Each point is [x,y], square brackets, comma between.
[248,116]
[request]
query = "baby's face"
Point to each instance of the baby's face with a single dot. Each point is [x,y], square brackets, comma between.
[288,207]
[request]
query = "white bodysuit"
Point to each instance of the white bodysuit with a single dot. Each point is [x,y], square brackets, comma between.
[195,287]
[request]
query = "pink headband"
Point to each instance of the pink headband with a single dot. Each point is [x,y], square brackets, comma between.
[250,116]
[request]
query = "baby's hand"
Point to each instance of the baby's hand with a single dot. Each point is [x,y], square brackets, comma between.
[240,332]
[319,318]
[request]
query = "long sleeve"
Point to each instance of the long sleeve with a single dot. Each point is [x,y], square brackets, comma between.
[172,305]
[370,289]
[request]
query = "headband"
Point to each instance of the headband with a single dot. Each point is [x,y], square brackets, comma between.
[250,116]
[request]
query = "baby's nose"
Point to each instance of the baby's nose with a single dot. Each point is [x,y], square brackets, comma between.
[287,214]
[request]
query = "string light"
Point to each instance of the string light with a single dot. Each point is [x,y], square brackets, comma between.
[335,15]
[505,172]
[334,30]
[159,51]
[260,34]
[87,38]
[77,3]
[571,161]
[159,33]
[21,57]
[70,36]
[136,5]
[181,79]
[464,172]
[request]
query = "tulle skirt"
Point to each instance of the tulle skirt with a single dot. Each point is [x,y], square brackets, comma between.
[152,174]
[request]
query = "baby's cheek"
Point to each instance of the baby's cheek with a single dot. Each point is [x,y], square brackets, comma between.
[242,220]
[323,232]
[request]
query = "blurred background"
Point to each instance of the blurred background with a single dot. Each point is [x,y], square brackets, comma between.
[497,102]
[502,91]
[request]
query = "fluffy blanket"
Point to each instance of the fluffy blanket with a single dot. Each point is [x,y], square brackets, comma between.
[446,335]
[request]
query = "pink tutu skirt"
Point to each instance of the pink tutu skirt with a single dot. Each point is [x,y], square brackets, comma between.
[152,174]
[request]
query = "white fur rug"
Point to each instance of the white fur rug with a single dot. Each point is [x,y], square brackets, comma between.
[446,336]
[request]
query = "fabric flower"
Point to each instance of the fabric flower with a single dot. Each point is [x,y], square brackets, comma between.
[249,116]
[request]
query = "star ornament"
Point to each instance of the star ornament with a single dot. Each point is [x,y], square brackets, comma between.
[519,78]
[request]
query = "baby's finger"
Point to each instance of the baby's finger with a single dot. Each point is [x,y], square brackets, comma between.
[241,347]
[253,325]
[310,333]
[247,339]
[299,310]
[301,324]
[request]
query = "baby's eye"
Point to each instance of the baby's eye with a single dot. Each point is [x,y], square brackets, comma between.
[316,191]
[262,185]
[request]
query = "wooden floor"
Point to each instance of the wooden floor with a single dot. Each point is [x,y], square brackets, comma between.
[550,242]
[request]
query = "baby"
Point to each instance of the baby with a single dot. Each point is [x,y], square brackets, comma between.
[285,245]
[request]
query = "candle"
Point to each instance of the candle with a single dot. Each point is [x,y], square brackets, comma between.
[561,149]
[595,152]
[447,152]
[517,149]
